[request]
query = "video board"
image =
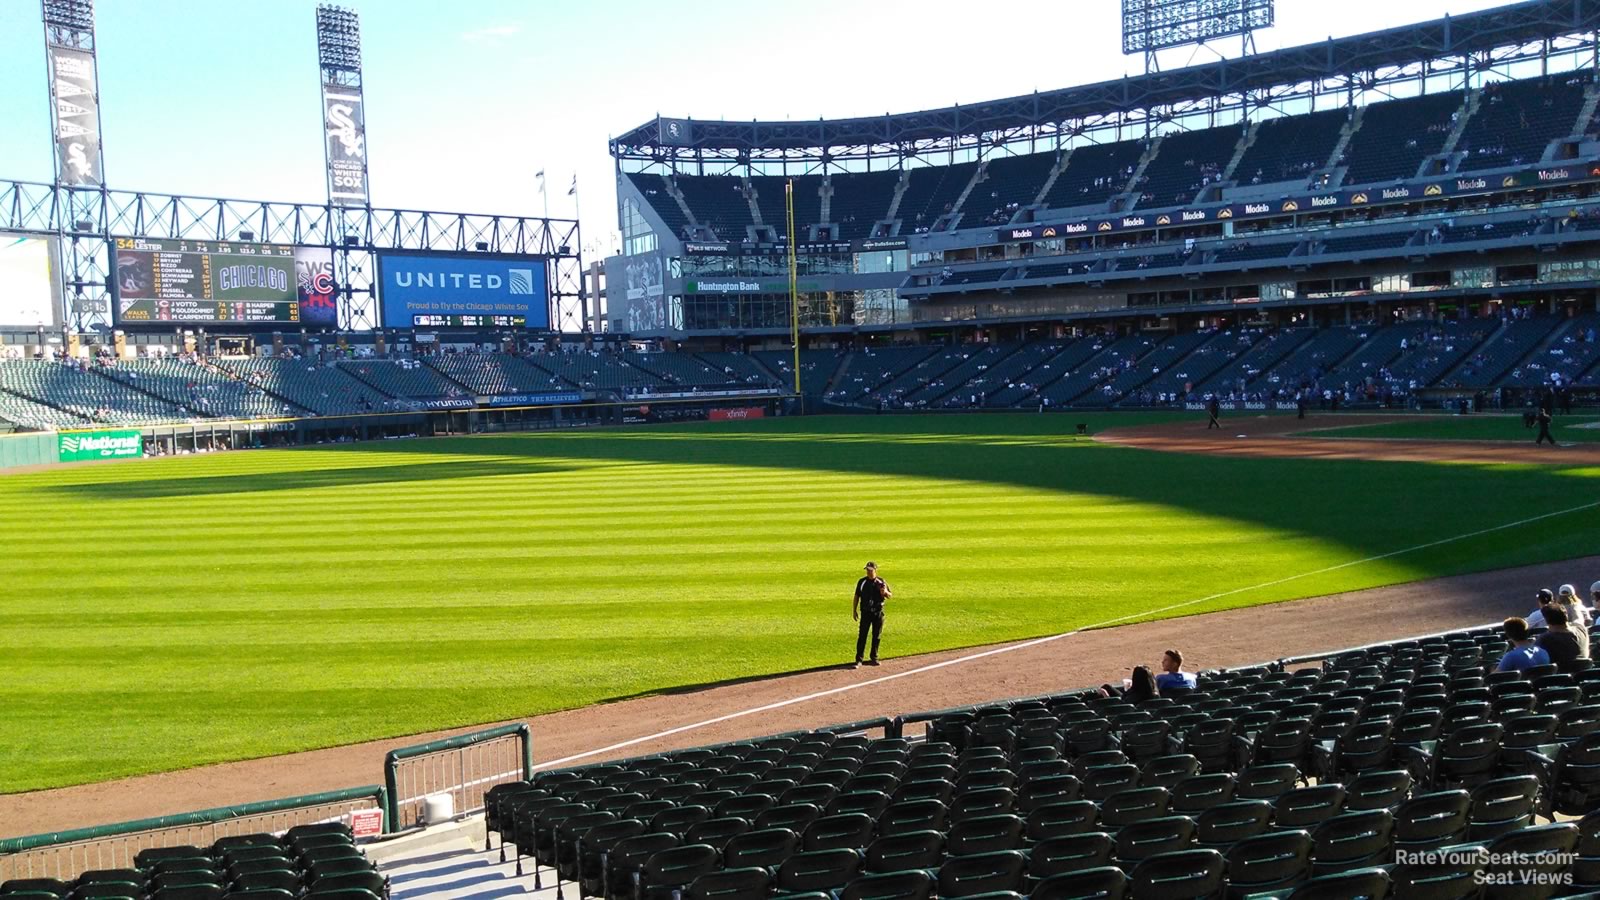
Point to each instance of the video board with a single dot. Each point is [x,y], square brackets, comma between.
[464,290]
[210,281]
[29,286]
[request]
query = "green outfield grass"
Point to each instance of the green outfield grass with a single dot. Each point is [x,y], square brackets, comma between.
[167,613]
[1481,427]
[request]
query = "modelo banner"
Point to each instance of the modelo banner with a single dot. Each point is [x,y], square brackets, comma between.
[1455,186]
[413,285]
[78,446]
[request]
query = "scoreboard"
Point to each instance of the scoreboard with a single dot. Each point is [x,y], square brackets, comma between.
[207,281]
[469,321]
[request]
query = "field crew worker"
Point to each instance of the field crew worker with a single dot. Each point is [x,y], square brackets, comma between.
[866,608]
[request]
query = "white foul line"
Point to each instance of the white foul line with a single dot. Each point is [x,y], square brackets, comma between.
[1024,645]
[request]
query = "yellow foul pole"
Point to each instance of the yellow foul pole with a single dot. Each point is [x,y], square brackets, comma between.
[794,294]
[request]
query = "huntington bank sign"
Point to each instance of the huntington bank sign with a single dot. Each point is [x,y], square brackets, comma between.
[79,446]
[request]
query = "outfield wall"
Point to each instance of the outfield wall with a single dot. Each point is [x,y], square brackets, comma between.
[28,449]
[107,442]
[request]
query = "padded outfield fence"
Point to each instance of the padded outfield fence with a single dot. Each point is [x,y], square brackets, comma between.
[465,767]
[67,854]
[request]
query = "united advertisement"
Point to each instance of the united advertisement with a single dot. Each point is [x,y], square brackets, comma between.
[477,290]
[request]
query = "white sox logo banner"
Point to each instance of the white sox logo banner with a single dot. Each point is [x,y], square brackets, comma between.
[346,139]
[77,116]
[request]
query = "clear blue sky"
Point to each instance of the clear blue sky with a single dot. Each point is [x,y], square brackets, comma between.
[220,97]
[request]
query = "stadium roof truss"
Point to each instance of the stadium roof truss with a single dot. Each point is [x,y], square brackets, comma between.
[88,219]
[1447,53]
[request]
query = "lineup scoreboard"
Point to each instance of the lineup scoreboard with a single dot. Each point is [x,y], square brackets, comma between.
[206,281]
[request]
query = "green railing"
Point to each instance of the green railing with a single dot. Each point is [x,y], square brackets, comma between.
[465,767]
[66,854]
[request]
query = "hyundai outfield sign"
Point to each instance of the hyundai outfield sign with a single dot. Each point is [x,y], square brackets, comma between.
[77,446]
[414,287]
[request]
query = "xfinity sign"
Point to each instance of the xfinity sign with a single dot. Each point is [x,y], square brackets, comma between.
[415,285]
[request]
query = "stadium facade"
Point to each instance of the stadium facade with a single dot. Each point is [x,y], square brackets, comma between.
[1439,168]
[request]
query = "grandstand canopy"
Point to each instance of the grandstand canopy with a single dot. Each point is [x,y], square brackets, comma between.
[1479,33]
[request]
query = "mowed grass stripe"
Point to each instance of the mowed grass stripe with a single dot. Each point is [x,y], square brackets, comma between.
[193,610]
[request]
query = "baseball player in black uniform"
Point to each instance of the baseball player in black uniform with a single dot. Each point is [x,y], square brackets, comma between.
[1213,409]
[867,609]
[1543,419]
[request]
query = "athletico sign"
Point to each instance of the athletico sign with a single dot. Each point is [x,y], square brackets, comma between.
[79,446]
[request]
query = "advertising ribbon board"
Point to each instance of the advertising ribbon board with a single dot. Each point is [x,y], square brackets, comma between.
[78,446]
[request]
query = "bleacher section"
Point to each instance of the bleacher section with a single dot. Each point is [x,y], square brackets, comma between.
[1109,358]
[1009,183]
[1094,173]
[80,390]
[28,414]
[319,861]
[1378,347]
[1516,120]
[1491,361]
[744,370]
[1290,148]
[410,379]
[323,389]
[1358,243]
[1265,782]
[498,373]
[1046,364]
[1305,367]
[592,371]
[1186,162]
[871,369]
[718,202]
[1223,348]
[683,370]
[1570,358]
[770,198]
[1397,135]
[961,386]
[861,199]
[1367,363]
[1513,124]
[205,389]
[816,367]
[1157,356]
[926,376]
[931,192]
[1246,251]
[654,189]
[1434,352]
[1238,377]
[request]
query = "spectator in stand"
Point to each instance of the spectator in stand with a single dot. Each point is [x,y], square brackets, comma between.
[1577,615]
[1141,687]
[1560,643]
[1524,653]
[1173,677]
[1544,598]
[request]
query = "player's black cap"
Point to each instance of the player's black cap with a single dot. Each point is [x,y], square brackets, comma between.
[1545,596]
[870,565]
